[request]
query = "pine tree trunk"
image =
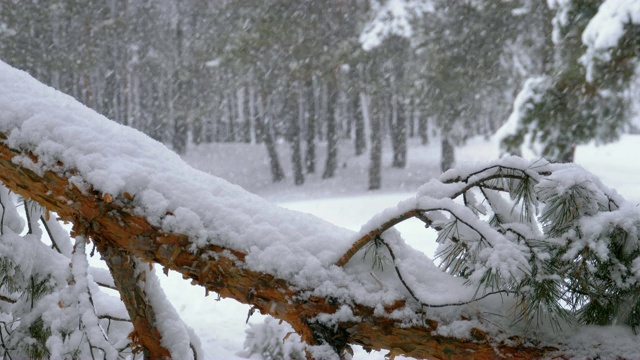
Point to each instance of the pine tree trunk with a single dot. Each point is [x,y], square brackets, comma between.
[243,123]
[568,155]
[277,174]
[180,134]
[295,136]
[359,116]
[332,136]
[312,116]
[252,115]
[180,120]
[410,116]
[231,134]
[323,108]
[398,133]
[197,130]
[375,162]
[423,127]
[447,159]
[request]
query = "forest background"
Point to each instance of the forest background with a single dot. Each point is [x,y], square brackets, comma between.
[311,73]
[335,79]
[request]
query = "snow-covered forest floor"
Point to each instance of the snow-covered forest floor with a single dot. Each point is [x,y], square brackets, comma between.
[345,201]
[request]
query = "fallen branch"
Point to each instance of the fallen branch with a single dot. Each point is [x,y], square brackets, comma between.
[110,222]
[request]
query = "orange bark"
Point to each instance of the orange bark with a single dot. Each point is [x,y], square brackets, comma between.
[145,337]
[110,223]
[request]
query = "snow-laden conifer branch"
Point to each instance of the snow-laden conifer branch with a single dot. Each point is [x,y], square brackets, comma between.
[496,243]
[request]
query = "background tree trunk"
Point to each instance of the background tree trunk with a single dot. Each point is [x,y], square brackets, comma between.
[277,174]
[332,135]
[375,155]
[311,117]
[447,159]
[295,135]
[398,127]
[358,112]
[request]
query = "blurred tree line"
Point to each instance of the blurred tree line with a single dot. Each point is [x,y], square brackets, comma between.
[295,70]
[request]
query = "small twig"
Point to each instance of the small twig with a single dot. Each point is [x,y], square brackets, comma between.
[54,244]
[7,299]
[113,318]
[193,349]
[250,313]
[106,286]
[481,182]
[422,217]
[420,213]
[360,243]
[413,295]
[28,216]
[2,217]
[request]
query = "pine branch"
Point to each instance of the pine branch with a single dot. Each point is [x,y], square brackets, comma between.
[373,234]
[413,213]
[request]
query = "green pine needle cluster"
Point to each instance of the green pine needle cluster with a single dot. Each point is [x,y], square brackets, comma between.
[580,241]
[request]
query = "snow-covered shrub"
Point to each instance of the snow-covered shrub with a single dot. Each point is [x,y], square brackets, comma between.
[272,340]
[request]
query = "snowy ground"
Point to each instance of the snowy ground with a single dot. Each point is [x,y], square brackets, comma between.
[346,202]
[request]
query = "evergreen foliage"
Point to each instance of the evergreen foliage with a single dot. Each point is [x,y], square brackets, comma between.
[551,235]
[564,107]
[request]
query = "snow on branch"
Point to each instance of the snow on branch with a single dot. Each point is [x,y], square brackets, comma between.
[392,17]
[606,29]
[551,234]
